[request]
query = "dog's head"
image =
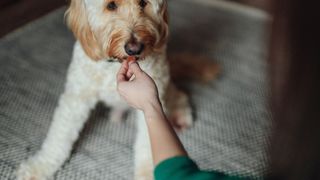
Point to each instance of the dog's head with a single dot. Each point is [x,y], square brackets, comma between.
[119,28]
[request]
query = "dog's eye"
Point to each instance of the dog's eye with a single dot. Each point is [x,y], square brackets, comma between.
[142,3]
[112,6]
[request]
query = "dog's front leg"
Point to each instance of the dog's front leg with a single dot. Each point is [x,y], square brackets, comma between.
[143,155]
[69,117]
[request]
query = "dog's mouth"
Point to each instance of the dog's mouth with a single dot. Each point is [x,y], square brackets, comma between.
[121,59]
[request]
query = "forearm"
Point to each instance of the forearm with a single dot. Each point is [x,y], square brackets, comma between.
[163,139]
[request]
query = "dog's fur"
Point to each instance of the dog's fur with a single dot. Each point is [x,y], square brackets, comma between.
[101,35]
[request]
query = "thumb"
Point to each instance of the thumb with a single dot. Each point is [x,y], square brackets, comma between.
[135,69]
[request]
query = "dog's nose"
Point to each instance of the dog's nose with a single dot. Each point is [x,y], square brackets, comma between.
[134,48]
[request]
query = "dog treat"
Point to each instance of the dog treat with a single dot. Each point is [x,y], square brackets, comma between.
[131,58]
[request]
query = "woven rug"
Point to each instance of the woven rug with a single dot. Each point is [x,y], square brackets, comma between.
[232,120]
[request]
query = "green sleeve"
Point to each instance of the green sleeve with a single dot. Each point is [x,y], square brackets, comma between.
[182,167]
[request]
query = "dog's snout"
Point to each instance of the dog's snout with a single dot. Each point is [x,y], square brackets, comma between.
[134,48]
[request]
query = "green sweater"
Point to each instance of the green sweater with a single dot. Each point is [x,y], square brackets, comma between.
[183,168]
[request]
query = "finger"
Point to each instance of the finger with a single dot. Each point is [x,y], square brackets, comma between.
[121,76]
[129,73]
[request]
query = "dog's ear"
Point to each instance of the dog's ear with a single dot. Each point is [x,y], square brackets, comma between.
[164,27]
[164,11]
[77,20]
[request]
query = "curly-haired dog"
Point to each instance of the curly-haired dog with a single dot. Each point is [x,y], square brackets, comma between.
[108,31]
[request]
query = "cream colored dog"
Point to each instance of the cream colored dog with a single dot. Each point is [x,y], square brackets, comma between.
[109,31]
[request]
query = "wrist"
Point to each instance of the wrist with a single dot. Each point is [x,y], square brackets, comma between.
[154,108]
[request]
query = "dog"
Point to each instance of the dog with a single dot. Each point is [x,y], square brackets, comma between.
[108,32]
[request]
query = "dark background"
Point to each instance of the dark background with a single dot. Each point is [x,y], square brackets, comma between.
[14,13]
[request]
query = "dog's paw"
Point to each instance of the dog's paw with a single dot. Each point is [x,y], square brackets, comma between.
[181,118]
[32,170]
[178,109]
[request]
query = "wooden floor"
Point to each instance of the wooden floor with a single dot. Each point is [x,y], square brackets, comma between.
[15,13]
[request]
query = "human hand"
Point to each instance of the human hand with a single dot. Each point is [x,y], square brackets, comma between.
[136,87]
